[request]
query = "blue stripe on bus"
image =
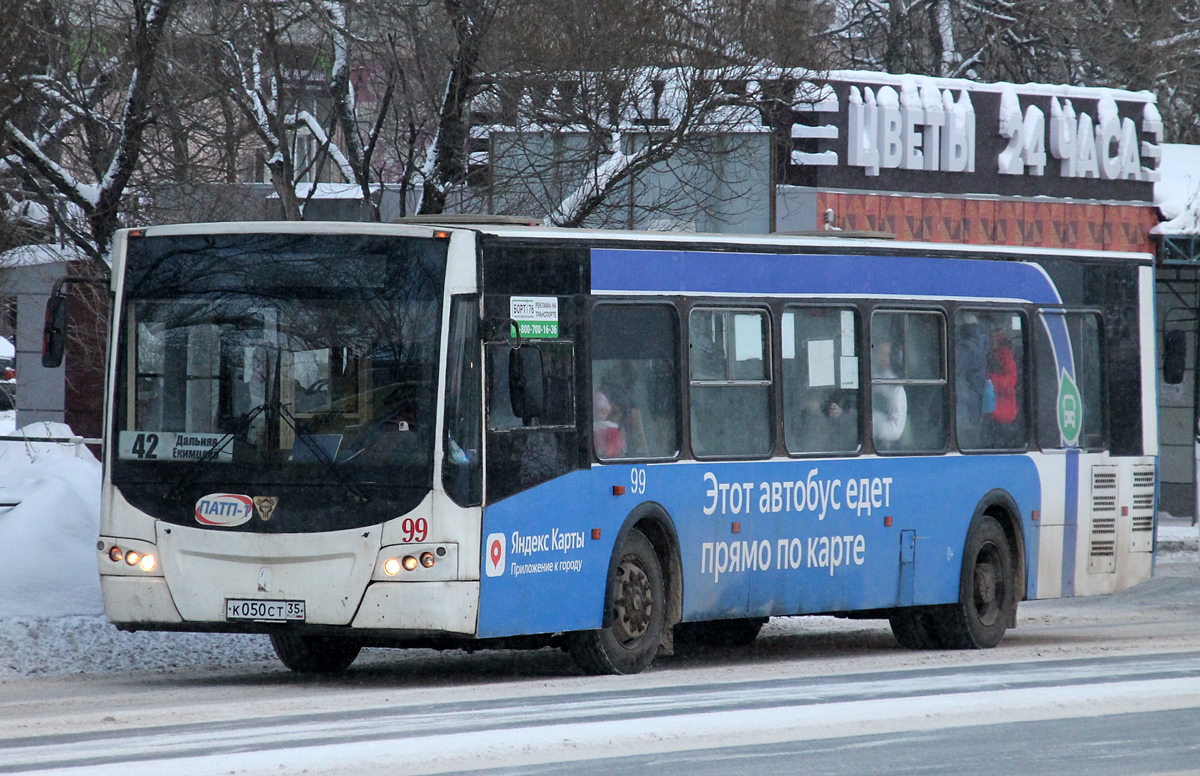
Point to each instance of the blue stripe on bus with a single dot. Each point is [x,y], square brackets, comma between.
[1070,523]
[768,274]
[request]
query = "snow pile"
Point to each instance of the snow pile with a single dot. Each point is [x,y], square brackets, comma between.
[51,613]
[50,536]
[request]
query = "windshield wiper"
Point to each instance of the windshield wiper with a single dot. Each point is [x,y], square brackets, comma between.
[191,473]
[322,456]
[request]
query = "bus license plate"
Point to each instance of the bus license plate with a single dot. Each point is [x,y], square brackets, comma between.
[275,611]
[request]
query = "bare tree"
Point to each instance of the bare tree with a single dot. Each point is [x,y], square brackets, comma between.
[75,135]
[602,92]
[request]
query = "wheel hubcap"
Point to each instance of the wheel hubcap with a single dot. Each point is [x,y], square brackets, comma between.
[633,602]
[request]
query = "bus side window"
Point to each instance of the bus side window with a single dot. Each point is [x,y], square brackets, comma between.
[558,359]
[730,386]
[635,379]
[908,381]
[1070,411]
[461,470]
[820,379]
[989,380]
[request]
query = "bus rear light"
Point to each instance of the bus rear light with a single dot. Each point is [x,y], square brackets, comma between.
[132,557]
[409,562]
[147,563]
[427,560]
[115,554]
[391,567]
[618,490]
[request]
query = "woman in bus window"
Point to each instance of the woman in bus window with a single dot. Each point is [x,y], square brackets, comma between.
[889,403]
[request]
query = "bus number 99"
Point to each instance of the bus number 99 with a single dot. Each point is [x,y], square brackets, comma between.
[637,478]
[415,530]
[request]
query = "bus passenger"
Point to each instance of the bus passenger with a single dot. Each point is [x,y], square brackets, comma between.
[609,439]
[619,387]
[889,403]
[1002,375]
[841,408]
[970,377]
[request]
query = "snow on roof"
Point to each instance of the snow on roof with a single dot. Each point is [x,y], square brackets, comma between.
[329,190]
[35,255]
[1046,90]
[1177,193]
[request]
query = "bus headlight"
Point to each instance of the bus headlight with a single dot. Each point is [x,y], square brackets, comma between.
[128,560]
[414,563]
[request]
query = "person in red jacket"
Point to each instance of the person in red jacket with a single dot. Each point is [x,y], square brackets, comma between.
[1002,373]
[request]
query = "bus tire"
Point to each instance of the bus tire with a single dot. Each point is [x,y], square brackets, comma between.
[637,614]
[914,629]
[986,598]
[315,654]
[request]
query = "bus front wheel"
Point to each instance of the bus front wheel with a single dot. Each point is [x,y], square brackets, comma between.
[315,654]
[986,591]
[636,615]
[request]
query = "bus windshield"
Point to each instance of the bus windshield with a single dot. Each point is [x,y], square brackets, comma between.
[279,360]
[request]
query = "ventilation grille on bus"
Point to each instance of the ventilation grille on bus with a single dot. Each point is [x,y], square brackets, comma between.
[1143,498]
[1104,500]
[1102,552]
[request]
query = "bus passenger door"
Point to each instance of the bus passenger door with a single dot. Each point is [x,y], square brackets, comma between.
[532,434]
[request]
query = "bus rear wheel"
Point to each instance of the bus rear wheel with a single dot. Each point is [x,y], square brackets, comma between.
[914,629]
[986,597]
[315,654]
[636,615]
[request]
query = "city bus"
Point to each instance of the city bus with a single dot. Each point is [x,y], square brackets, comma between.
[476,434]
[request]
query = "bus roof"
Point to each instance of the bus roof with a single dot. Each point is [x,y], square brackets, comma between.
[773,243]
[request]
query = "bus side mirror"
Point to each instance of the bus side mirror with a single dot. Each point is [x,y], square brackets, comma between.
[54,332]
[1174,356]
[526,384]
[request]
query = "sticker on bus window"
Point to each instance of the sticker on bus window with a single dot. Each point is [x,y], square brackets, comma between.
[171,446]
[1070,410]
[536,316]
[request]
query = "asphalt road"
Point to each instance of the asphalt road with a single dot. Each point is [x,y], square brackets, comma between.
[1097,686]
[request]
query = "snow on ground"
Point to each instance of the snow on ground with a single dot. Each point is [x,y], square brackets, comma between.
[51,614]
